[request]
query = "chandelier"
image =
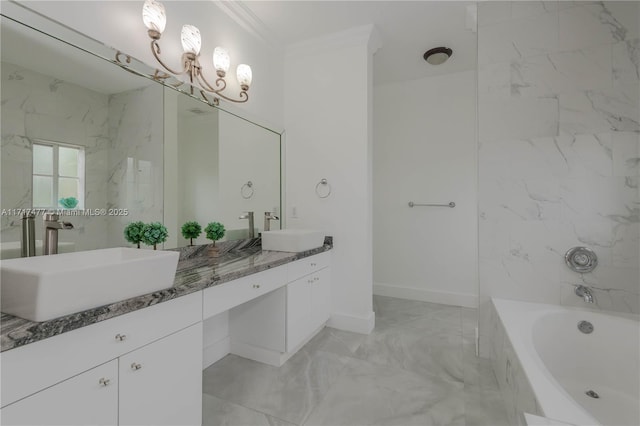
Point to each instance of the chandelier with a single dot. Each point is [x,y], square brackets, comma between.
[155,19]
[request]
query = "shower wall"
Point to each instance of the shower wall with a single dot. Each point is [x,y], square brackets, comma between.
[558,120]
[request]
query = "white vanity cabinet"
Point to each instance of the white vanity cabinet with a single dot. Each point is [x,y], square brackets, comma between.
[90,398]
[271,328]
[58,381]
[308,306]
[161,383]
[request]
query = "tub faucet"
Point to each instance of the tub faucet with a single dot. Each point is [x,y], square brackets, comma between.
[268,217]
[249,215]
[52,224]
[584,292]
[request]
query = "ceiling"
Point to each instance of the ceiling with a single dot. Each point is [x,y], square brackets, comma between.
[407,30]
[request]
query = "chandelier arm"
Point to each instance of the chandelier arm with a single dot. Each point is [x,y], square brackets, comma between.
[222,84]
[214,102]
[203,81]
[244,97]
[155,48]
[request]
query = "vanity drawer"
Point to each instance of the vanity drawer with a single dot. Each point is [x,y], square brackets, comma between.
[30,368]
[308,265]
[225,296]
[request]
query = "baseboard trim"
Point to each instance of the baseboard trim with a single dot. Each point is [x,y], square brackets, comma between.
[445,298]
[215,352]
[354,324]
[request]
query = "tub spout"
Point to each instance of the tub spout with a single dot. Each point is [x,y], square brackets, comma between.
[585,293]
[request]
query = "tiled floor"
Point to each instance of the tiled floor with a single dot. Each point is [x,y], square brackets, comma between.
[418,367]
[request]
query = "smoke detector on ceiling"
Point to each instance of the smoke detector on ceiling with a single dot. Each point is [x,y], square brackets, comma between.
[437,55]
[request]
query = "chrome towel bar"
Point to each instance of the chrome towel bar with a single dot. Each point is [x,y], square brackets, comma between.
[412,204]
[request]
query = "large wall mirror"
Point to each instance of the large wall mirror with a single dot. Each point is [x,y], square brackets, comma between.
[107,146]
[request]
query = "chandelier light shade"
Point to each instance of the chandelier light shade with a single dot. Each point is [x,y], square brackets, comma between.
[191,40]
[244,76]
[221,61]
[154,17]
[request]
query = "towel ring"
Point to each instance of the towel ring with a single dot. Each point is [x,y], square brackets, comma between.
[323,182]
[247,190]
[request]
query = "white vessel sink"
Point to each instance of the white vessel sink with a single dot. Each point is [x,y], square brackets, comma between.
[45,287]
[292,240]
[12,249]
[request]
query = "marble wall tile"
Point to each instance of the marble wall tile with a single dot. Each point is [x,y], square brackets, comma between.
[136,165]
[521,9]
[493,12]
[517,118]
[595,24]
[36,106]
[518,38]
[493,238]
[562,72]
[626,61]
[542,189]
[519,199]
[521,280]
[495,78]
[598,111]
[626,153]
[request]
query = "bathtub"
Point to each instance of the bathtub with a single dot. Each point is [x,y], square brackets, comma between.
[545,364]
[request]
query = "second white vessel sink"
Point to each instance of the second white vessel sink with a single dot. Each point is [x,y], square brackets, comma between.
[45,287]
[292,240]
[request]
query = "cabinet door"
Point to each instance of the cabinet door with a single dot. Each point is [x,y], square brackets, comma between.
[90,398]
[161,383]
[320,298]
[298,311]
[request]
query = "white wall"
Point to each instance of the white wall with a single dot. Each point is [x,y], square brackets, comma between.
[328,116]
[559,126]
[119,24]
[425,151]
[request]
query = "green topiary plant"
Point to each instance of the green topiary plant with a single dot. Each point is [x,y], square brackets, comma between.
[191,230]
[214,231]
[133,232]
[154,233]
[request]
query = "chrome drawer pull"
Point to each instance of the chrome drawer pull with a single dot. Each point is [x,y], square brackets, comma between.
[136,366]
[104,382]
[313,264]
[256,286]
[121,337]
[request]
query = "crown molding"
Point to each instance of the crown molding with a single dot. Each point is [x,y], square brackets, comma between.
[244,16]
[365,35]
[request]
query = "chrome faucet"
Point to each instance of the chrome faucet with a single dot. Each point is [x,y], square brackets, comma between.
[249,215]
[584,292]
[268,217]
[52,224]
[28,240]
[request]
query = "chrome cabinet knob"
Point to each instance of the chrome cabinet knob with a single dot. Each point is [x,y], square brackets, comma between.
[136,366]
[104,382]
[310,281]
[121,337]
[313,264]
[256,286]
[316,279]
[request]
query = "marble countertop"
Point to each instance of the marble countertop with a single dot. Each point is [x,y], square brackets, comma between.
[198,268]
